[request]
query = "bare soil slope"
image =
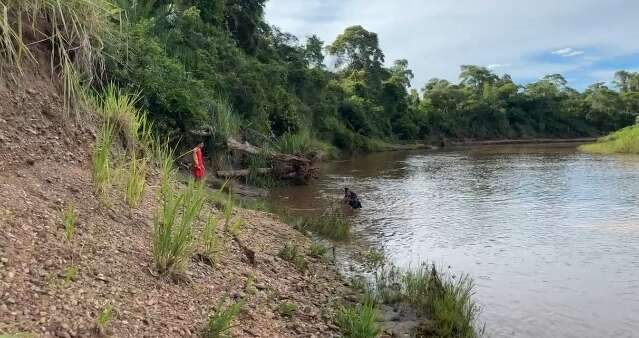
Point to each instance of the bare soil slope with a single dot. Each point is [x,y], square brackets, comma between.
[44,165]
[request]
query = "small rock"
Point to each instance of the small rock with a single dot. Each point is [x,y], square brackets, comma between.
[4,260]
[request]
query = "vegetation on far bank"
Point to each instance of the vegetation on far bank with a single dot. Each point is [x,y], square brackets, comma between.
[624,141]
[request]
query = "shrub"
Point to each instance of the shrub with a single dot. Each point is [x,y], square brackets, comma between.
[358,321]
[220,322]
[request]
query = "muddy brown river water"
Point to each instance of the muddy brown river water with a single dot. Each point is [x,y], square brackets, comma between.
[550,235]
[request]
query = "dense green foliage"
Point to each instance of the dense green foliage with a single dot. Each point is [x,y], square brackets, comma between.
[215,69]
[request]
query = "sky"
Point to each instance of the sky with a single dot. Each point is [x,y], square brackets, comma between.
[587,41]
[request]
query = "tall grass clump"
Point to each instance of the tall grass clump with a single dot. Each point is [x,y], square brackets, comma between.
[332,224]
[624,141]
[300,143]
[136,181]
[121,120]
[101,161]
[446,300]
[359,321]
[132,124]
[76,31]
[209,239]
[453,310]
[226,122]
[173,227]
[220,322]
[163,156]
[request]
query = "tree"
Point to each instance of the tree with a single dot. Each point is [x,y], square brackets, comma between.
[244,18]
[476,77]
[313,51]
[357,49]
[400,73]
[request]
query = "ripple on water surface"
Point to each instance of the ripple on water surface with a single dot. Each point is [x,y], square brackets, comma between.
[550,235]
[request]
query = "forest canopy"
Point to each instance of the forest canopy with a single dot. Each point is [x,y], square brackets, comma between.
[218,69]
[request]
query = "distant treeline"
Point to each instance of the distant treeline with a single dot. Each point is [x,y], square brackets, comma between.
[216,68]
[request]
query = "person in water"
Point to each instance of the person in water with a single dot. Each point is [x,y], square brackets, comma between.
[198,162]
[351,199]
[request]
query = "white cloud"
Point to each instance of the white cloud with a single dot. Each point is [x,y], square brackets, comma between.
[498,65]
[566,52]
[436,37]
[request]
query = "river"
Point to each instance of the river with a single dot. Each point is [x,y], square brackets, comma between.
[550,235]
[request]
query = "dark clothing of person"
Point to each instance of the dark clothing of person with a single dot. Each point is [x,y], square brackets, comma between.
[351,199]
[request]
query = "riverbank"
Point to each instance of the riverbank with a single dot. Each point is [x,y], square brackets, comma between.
[95,275]
[76,262]
[523,141]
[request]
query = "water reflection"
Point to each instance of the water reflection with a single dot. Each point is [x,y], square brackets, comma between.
[550,235]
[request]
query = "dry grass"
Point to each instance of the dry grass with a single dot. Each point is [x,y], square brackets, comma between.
[75,31]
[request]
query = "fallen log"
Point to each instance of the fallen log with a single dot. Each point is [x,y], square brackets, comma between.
[285,166]
[243,172]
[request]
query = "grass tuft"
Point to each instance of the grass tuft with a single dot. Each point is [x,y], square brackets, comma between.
[101,168]
[332,224]
[173,227]
[227,123]
[318,250]
[69,217]
[70,274]
[104,318]
[209,239]
[235,228]
[287,310]
[136,181]
[445,299]
[291,253]
[75,31]
[358,321]
[220,322]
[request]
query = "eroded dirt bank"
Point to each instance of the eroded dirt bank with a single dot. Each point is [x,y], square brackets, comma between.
[45,165]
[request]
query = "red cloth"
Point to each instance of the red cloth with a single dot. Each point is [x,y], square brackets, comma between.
[198,163]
